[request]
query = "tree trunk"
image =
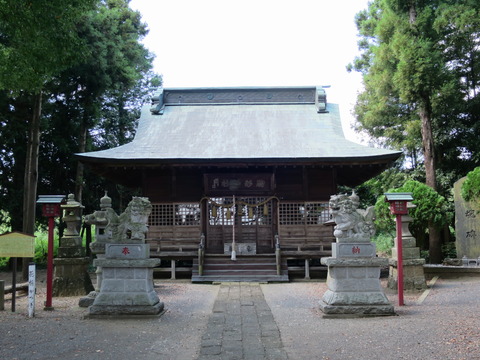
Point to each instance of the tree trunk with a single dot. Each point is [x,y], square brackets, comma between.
[434,238]
[31,175]
[82,145]
[425,114]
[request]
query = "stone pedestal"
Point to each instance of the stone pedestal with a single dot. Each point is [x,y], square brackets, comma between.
[71,269]
[413,274]
[71,277]
[354,287]
[127,282]
[353,279]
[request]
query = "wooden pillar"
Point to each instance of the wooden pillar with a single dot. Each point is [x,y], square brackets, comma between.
[2,295]
[307,269]
[173,270]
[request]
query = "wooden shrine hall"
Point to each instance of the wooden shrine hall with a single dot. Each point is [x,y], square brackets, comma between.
[251,168]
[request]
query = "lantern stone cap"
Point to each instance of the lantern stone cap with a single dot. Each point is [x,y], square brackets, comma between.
[400,196]
[72,203]
[50,199]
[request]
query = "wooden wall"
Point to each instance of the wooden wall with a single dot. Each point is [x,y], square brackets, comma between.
[291,183]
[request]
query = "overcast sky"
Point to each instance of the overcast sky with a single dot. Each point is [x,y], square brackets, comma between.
[203,43]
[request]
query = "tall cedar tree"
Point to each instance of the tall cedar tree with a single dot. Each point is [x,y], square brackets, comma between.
[37,40]
[409,77]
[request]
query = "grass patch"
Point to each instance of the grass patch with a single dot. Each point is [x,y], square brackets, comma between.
[384,243]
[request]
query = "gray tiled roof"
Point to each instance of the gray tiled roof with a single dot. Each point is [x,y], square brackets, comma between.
[240,131]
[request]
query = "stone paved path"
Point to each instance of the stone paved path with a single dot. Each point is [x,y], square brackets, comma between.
[241,326]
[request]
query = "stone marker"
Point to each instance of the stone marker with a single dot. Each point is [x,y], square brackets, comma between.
[353,278]
[467,225]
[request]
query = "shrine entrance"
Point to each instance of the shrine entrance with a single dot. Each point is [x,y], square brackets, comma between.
[250,220]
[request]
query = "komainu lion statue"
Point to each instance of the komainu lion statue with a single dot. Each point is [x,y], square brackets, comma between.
[352,224]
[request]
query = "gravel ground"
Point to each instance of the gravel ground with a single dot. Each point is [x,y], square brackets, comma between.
[446,325]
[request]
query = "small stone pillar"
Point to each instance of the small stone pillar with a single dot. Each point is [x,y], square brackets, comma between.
[127,270]
[353,278]
[71,276]
[105,221]
[413,274]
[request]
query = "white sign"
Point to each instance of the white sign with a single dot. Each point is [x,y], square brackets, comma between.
[31,290]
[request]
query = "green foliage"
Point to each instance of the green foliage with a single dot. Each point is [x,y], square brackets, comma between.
[449,250]
[38,39]
[421,60]
[430,208]
[384,243]
[471,187]
[370,190]
[94,101]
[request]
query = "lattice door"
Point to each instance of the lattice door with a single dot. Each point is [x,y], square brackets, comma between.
[252,219]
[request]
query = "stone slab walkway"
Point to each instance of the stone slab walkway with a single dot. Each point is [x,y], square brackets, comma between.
[241,326]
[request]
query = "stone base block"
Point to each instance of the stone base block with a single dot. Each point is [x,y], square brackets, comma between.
[71,277]
[71,252]
[354,288]
[355,298]
[356,310]
[88,300]
[126,299]
[413,275]
[72,286]
[122,310]
[353,250]
[127,288]
[407,253]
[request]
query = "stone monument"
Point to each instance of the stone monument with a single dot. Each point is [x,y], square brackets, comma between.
[413,274]
[353,278]
[467,226]
[70,276]
[127,270]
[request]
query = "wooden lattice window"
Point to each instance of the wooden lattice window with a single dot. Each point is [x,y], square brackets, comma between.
[303,213]
[250,211]
[175,214]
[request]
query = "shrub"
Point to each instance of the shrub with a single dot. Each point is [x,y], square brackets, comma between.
[471,187]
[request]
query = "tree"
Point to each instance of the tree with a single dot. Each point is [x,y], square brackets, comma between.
[37,40]
[111,81]
[413,93]
[431,208]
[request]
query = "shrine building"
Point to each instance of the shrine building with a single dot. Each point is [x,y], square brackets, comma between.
[252,167]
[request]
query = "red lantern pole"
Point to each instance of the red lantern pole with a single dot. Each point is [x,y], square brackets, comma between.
[399,260]
[48,301]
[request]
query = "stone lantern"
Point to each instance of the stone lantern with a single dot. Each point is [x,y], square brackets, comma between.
[71,276]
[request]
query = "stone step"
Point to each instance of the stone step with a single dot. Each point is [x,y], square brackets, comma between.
[240,278]
[246,268]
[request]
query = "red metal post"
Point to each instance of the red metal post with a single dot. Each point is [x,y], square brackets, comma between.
[399,260]
[48,302]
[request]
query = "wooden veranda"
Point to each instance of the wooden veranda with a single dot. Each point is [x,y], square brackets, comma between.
[269,234]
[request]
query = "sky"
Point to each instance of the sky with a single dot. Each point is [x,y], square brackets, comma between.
[227,43]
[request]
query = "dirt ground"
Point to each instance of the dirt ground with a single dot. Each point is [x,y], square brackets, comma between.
[442,323]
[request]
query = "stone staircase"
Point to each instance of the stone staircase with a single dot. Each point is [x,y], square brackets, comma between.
[248,268]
